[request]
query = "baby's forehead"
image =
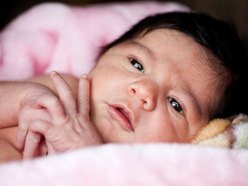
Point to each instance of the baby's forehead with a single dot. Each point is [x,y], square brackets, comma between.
[168,36]
[176,40]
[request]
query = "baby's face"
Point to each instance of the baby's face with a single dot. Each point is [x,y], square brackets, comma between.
[158,88]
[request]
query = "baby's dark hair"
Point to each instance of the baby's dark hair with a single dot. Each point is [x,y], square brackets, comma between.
[220,40]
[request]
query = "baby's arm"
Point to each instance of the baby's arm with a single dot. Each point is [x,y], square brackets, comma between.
[12,96]
[70,126]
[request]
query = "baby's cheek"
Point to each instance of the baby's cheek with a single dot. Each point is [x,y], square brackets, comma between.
[157,132]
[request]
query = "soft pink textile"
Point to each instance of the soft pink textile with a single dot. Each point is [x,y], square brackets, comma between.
[55,36]
[133,165]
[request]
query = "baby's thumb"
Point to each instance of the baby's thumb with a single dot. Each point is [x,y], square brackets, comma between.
[20,138]
[37,128]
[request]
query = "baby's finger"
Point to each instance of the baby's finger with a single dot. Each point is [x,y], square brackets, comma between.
[20,138]
[65,93]
[83,97]
[53,105]
[31,145]
[37,128]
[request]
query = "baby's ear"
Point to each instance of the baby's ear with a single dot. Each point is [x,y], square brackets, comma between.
[231,133]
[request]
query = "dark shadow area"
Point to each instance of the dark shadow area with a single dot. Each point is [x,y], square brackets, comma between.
[228,10]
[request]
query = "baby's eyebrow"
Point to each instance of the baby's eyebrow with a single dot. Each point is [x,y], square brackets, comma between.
[141,47]
[193,97]
[196,104]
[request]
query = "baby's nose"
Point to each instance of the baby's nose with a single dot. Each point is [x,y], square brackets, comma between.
[145,91]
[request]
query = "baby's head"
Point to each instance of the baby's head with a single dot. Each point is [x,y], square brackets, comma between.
[166,78]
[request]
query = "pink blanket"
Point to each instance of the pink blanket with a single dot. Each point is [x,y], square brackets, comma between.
[67,39]
[133,165]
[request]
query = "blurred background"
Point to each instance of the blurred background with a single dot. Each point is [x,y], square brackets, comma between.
[228,10]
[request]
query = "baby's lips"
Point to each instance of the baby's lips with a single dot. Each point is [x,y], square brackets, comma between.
[121,116]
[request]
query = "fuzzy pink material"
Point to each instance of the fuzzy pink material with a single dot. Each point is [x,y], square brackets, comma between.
[55,36]
[67,39]
[133,165]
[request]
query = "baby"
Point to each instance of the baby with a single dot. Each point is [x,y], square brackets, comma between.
[162,81]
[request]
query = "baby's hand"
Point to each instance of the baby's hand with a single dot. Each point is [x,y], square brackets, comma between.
[69,126]
[32,110]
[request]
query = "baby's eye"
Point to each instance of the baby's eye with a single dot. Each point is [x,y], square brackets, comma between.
[137,65]
[176,105]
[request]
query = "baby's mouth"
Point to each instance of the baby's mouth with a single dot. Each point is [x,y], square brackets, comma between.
[124,114]
[122,117]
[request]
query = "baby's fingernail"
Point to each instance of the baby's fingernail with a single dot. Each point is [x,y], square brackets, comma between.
[85,76]
[53,73]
